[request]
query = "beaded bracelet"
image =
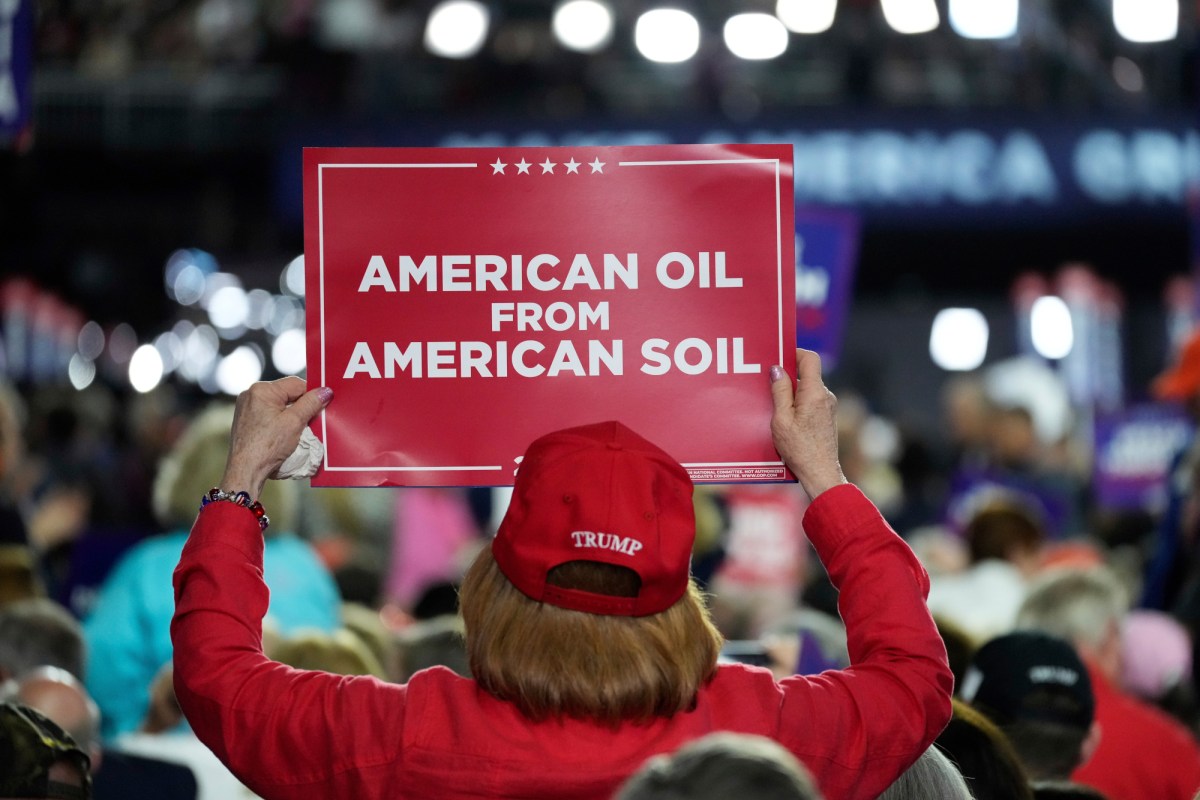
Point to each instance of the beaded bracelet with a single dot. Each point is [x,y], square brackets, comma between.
[242,499]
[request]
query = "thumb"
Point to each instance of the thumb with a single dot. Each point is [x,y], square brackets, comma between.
[782,390]
[309,404]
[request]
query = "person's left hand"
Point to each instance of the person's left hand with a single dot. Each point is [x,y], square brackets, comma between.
[267,422]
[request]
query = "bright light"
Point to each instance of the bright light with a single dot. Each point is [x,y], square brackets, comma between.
[238,370]
[1146,20]
[90,342]
[286,312]
[984,19]
[583,25]
[959,339]
[170,349]
[456,29]
[292,279]
[755,37]
[228,307]
[287,353]
[667,35]
[806,16]
[199,353]
[145,368]
[911,16]
[258,308]
[81,372]
[1050,327]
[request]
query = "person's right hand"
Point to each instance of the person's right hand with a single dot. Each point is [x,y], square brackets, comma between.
[267,421]
[804,425]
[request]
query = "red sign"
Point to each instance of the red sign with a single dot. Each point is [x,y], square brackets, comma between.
[463,302]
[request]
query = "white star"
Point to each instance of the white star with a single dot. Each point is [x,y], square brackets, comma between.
[572,166]
[523,167]
[548,166]
[597,166]
[498,167]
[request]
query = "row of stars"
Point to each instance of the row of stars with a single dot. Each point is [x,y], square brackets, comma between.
[547,167]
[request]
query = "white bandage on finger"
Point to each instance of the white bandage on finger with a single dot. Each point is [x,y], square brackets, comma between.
[304,460]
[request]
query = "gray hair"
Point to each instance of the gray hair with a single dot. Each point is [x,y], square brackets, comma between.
[720,766]
[39,632]
[1080,605]
[931,775]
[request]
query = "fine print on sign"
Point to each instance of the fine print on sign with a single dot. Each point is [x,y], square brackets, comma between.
[464,301]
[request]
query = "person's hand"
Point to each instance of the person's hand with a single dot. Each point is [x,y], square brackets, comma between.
[267,421]
[804,425]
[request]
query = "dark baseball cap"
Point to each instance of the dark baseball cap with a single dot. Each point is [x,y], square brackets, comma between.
[1030,676]
[30,744]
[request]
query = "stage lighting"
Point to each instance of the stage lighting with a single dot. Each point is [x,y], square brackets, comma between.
[959,338]
[755,37]
[1146,20]
[457,28]
[984,19]
[911,16]
[584,26]
[667,35]
[806,16]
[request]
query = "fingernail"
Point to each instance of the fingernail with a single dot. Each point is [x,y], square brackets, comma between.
[325,394]
[776,373]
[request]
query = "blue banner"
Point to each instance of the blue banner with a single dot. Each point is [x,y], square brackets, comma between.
[826,253]
[16,68]
[889,166]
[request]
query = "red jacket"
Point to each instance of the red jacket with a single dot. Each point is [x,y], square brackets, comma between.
[1143,753]
[289,733]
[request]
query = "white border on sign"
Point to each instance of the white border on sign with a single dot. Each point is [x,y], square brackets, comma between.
[471,165]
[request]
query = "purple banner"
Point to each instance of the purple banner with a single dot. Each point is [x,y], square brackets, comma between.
[1133,449]
[16,69]
[826,254]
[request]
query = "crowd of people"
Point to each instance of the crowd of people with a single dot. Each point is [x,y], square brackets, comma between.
[781,640]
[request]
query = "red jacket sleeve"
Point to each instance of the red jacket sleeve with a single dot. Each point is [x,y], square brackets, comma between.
[283,732]
[894,699]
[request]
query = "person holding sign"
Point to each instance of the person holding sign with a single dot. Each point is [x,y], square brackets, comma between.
[590,646]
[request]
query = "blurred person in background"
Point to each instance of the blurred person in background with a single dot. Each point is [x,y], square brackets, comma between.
[1156,664]
[128,631]
[340,652]
[42,761]
[1004,541]
[722,766]
[39,633]
[984,756]
[931,776]
[1176,548]
[115,775]
[1142,752]
[1036,689]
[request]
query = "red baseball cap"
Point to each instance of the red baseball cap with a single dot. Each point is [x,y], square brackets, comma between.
[599,493]
[1182,380]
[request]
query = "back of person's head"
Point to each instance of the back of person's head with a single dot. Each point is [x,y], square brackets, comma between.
[984,756]
[196,463]
[1083,606]
[39,632]
[930,776]
[722,766]
[341,652]
[62,697]
[1036,688]
[584,605]
[39,758]
[1065,790]
[1003,529]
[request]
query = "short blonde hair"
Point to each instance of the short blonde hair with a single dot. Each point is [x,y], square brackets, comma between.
[555,662]
[196,464]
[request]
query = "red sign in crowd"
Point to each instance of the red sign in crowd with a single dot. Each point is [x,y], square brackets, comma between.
[462,302]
